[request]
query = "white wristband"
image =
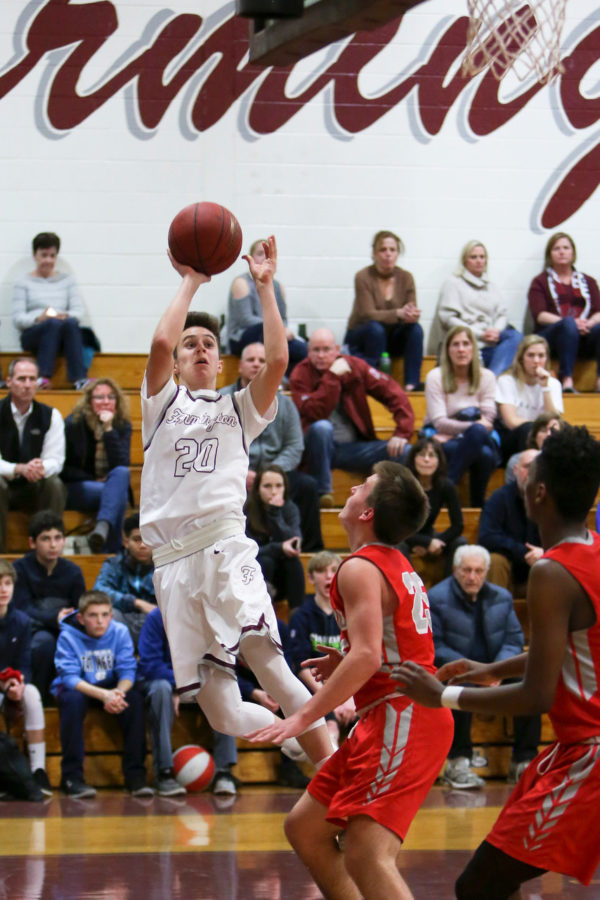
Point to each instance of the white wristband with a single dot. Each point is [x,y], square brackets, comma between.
[450,696]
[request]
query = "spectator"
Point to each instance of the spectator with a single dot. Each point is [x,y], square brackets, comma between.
[525,393]
[427,462]
[544,425]
[163,705]
[95,665]
[312,627]
[330,391]
[565,306]
[273,521]
[385,315]
[47,309]
[244,313]
[127,579]
[48,588]
[281,444]
[17,694]
[507,533]
[473,617]
[469,299]
[460,411]
[96,472]
[32,448]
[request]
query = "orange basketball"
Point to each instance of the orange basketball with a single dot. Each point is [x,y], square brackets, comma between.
[205,236]
[194,767]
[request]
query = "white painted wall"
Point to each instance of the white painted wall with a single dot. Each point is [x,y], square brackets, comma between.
[110,189]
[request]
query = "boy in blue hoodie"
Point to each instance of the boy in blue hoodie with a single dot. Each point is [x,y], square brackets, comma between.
[95,664]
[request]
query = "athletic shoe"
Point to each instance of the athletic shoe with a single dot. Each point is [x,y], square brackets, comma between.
[139,789]
[478,761]
[165,784]
[82,383]
[44,383]
[96,542]
[515,770]
[290,775]
[459,776]
[77,789]
[41,779]
[326,501]
[224,784]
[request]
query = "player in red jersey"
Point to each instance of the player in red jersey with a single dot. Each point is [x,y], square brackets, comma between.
[375,783]
[550,820]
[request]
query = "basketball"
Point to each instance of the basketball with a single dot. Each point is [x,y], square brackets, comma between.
[194,767]
[205,236]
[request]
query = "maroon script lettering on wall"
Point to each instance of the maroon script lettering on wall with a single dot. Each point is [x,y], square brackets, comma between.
[80,30]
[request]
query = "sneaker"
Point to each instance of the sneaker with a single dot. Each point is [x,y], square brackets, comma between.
[515,770]
[139,789]
[166,786]
[41,779]
[224,784]
[82,383]
[326,501]
[79,790]
[478,761]
[459,776]
[43,383]
[96,542]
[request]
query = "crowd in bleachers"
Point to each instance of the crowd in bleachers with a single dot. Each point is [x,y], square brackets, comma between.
[489,403]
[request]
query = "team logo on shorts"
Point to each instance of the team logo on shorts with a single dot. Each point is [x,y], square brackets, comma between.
[248,573]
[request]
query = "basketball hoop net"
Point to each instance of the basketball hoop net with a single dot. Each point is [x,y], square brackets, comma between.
[505,35]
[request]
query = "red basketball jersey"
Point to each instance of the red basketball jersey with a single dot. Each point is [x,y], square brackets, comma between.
[575,713]
[406,634]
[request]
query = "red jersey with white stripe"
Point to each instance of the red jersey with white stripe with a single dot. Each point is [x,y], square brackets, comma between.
[575,713]
[406,634]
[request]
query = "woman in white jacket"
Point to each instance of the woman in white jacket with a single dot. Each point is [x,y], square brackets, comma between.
[469,298]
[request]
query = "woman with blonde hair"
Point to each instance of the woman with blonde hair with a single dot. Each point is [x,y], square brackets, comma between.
[525,393]
[385,315]
[460,411]
[470,299]
[96,471]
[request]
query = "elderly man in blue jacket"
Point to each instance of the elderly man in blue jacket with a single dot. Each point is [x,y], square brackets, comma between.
[475,619]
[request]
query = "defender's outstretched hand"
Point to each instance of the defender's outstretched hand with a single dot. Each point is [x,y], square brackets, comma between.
[322,667]
[466,670]
[418,684]
[264,272]
[279,731]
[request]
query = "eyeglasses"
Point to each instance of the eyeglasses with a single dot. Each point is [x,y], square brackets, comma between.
[104,396]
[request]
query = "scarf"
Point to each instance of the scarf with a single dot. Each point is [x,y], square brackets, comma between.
[564,295]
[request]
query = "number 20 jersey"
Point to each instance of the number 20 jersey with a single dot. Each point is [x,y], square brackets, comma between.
[195,459]
[406,633]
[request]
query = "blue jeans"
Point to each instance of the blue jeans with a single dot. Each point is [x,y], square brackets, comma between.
[159,700]
[498,357]
[370,340]
[73,706]
[297,348]
[566,343]
[322,454]
[474,451]
[46,340]
[107,498]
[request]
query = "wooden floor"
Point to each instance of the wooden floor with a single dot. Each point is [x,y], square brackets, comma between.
[120,848]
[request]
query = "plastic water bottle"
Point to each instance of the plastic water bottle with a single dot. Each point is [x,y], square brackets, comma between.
[385,364]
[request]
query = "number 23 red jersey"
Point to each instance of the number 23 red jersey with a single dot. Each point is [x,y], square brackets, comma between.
[406,634]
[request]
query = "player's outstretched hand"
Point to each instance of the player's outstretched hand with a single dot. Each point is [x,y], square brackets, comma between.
[322,667]
[461,670]
[279,731]
[198,277]
[264,272]
[418,684]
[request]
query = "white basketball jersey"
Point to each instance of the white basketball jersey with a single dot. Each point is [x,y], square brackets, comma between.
[195,459]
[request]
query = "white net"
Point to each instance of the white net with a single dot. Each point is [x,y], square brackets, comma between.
[524,38]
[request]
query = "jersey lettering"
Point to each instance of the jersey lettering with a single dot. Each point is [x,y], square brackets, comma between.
[420,611]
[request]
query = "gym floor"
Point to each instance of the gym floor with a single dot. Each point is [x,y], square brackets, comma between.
[197,848]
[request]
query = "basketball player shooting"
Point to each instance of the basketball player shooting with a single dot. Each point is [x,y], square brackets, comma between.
[549,821]
[375,783]
[209,585]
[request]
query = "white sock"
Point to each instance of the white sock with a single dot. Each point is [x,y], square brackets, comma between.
[37,755]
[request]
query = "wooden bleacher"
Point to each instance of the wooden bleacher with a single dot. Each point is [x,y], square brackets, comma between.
[258,764]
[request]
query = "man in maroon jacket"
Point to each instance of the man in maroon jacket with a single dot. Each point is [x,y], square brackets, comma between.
[330,391]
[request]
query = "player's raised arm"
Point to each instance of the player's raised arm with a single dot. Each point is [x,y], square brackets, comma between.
[168,331]
[265,384]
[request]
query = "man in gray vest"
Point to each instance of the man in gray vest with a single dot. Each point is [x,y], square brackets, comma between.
[32,447]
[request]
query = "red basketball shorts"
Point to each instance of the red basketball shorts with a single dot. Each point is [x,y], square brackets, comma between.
[551,818]
[386,766]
